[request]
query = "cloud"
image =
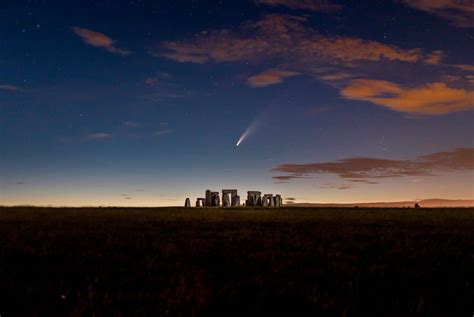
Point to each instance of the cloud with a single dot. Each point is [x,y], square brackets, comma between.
[470,78]
[435,57]
[336,186]
[318,109]
[361,169]
[291,44]
[286,178]
[101,40]
[290,198]
[465,67]
[284,38]
[458,12]
[99,136]
[159,80]
[344,186]
[433,99]
[310,5]
[164,132]
[131,124]
[8,87]
[270,77]
[363,181]
[336,76]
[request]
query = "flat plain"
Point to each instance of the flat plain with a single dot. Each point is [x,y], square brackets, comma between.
[188,262]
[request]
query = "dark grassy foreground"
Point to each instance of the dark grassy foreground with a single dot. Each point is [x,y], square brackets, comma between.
[172,261]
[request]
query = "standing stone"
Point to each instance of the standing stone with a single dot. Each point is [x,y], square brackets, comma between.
[272,201]
[215,199]
[198,203]
[226,200]
[278,201]
[236,201]
[254,198]
[187,203]
[208,202]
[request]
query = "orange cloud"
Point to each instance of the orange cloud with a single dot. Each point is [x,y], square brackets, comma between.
[311,5]
[434,58]
[433,99]
[101,40]
[459,12]
[358,170]
[270,77]
[336,76]
[470,79]
[465,67]
[285,38]
[8,87]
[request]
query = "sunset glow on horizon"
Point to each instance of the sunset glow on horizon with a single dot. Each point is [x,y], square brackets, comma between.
[140,103]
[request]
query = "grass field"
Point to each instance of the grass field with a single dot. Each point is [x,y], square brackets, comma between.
[176,261]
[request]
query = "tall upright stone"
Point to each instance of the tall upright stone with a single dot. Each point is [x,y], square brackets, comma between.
[187,203]
[236,201]
[278,201]
[215,199]
[271,202]
[254,198]
[208,202]
[226,200]
[232,193]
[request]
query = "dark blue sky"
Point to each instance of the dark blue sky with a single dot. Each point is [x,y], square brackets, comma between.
[143,102]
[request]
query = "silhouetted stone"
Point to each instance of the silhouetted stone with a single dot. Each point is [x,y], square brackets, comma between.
[200,202]
[187,203]
[267,200]
[226,200]
[254,198]
[236,201]
[278,201]
[417,206]
[207,202]
[215,199]
[232,193]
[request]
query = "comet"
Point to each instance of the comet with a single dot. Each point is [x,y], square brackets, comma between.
[248,132]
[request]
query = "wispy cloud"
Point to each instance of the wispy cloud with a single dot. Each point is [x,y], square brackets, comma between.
[365,169]
[336,76]
[342,61]
[164,132]
[100,40]
[8,87]
[131,124]
[310,5]
[285,178]
[337,186]
[433,99]
[435,57]
[99,136]
[282,37]
[465,67]
[270,77]
[318,109]
[458,12]
[363,181]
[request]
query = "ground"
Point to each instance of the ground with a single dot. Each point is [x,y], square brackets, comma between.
[176,261]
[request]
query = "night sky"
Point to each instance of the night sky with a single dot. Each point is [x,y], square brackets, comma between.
[143,102]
